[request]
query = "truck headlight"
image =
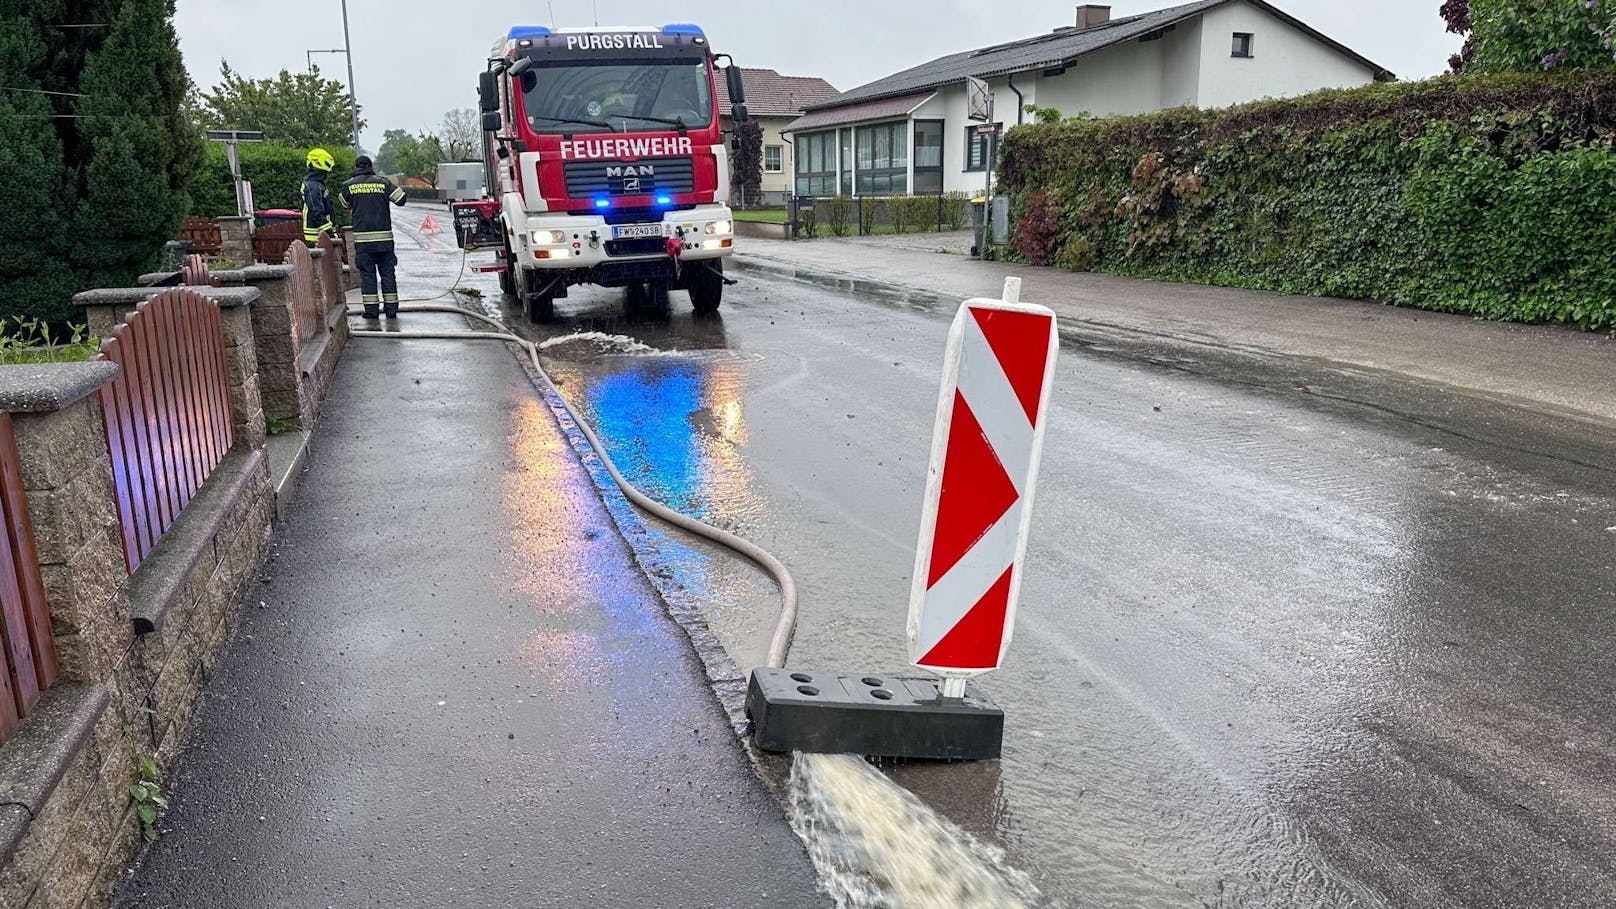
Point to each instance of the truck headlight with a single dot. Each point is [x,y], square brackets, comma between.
[720,227]
[549,237]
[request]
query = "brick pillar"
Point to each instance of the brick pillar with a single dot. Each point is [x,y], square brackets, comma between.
[235,235]
[67,474]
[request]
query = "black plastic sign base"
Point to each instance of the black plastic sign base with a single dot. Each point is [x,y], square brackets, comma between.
[829,712]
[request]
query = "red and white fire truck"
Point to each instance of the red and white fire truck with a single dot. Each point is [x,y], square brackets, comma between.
[607,165]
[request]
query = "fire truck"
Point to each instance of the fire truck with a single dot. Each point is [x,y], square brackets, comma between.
[607,165]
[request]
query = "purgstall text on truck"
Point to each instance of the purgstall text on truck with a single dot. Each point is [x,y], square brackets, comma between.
[607,163]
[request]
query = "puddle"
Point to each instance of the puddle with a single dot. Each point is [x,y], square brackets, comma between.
[877,846]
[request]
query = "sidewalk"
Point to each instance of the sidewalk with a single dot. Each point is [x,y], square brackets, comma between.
[1544,367]
[453,688]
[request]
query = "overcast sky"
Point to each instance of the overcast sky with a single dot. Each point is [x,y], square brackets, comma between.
[415,59]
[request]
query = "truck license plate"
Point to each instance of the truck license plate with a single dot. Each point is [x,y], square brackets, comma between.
[628,231]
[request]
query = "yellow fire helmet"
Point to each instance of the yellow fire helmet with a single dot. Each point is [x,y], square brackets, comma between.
[320,159]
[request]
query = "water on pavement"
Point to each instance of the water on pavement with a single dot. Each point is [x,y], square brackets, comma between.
[1275,649]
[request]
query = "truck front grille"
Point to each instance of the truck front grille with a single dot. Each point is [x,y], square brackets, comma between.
[645,177]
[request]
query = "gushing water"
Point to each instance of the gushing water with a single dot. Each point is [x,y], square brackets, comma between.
[602,340]
[877,846]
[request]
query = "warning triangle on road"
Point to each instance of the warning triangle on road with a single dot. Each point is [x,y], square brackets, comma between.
[430,225]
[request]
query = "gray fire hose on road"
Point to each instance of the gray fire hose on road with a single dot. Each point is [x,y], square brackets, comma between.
[780,644]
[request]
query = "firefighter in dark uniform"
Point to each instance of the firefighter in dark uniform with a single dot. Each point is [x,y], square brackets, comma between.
[316,200]
[367,196]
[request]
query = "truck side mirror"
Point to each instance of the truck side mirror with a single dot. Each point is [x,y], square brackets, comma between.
[491,121]
[488,92]
[520,66]
[740,114]
[737,90]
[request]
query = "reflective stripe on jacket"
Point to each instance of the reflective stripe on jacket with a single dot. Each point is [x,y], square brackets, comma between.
[367,195]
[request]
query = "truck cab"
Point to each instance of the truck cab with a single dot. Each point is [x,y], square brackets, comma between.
[607,163]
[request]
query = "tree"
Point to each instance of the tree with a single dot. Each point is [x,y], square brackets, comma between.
[98,166]
[748,173]
[35,278]
[460,134]
[301,110]
[420,158]
[1525,35]
[394,141]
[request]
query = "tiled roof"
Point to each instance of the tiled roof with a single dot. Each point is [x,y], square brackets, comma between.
[881,109]
[769,94]
[1056,49]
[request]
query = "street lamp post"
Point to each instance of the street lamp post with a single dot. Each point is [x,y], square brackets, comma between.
[347,51]
[353,98]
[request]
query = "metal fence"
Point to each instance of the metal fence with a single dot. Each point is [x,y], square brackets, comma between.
[27,650]
[167,416]
[862,216]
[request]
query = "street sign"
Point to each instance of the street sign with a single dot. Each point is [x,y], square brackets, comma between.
[988,129]
[997,376]
[977,101]
[235,135]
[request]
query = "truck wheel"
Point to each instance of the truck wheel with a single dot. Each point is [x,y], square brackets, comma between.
[507,284]
[707,289]
[634,300]
[539,307]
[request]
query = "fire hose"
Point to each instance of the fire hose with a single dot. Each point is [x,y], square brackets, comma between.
[780,643]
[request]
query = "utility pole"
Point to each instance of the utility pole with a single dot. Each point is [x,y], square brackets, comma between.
[353,97]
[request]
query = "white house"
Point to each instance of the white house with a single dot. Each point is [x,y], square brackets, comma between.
[910,132]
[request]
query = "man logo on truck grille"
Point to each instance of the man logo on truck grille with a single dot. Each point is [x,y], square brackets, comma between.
[631,170]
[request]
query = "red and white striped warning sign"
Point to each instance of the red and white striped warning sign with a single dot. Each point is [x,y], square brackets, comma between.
[997,376]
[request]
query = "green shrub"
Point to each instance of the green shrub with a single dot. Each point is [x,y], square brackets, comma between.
[898,212]
[1488,195]
[807,223]
[956,210]
[869,211]
[1076,254]
[275,171]
[839,215]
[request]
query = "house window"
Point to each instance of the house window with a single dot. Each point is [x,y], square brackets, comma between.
[1242,45]
[773,159]
[816,164]
[882,153]
[976,149]
[928,156]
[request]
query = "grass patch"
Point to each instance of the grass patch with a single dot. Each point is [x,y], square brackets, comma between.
[763,215]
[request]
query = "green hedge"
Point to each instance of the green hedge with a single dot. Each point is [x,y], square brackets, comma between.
[276,173]
[1491,195]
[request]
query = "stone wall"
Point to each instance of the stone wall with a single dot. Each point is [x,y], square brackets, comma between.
[136,649]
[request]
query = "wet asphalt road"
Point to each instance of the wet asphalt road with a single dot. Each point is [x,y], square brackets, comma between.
[1290,636]
[452,687]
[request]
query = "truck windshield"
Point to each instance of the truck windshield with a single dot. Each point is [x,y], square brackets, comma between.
[618,97]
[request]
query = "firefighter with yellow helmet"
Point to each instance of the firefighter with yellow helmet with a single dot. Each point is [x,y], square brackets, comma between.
[316,200]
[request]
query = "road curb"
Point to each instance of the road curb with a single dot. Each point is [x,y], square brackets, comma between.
[726,679]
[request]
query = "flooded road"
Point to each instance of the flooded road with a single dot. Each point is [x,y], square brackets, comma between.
[1277,646]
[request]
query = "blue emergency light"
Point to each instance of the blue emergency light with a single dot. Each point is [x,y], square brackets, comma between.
[528,31]
[602,202]
[664,200]
[681,28]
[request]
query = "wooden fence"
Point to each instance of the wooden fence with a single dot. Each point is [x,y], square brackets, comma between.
[308,306]
[203,235]
[331,262]
[271,242]
[197,273]
[27,650]
[167,416]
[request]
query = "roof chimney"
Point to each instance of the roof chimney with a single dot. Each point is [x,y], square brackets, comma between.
[1090,15]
